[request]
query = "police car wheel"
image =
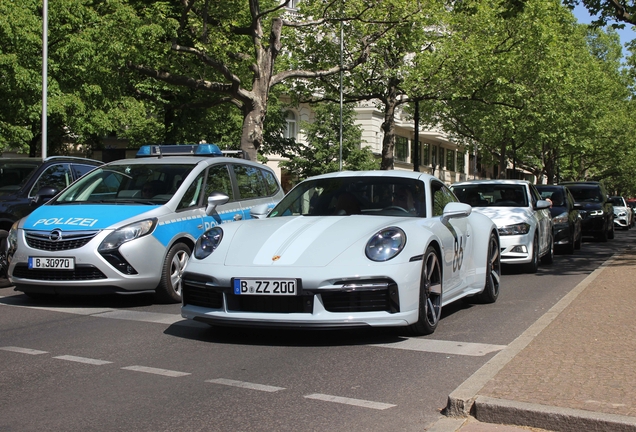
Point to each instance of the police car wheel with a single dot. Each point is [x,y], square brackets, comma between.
[169,289]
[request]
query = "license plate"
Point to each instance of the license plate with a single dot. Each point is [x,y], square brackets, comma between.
[51,263]
[272,287]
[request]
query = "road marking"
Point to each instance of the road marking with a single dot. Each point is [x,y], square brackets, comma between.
[156,371]
[349,401]
[23,350]
[83,360]
[443,347]
[247,385]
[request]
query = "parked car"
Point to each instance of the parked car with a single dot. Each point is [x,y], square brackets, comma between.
[595,208]
[623,215]
[129,226]
[566,220]
[522,218]
[343,250]
[26,183]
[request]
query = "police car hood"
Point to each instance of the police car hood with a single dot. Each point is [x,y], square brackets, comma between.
[74,217]
[504,216]
[300,241]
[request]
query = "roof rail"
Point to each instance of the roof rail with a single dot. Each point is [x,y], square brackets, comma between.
[179,150]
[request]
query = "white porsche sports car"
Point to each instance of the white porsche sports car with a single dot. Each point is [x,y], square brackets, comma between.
[346,249]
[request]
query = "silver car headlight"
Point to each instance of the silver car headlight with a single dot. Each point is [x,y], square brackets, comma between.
[516,229]
[622,214]
[12,240]
[208,242]
[385,244]
[562,218]
[127,233]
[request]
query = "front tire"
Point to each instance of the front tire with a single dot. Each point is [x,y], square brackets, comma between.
[493,272]
[533,265]
[169,289]
[430,307]
[548,258]
[610,234]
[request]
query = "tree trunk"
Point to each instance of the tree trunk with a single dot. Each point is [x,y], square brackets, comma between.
[388,128]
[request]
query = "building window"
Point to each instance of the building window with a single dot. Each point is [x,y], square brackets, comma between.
[461,161]
[425,153]
[450,160]
[401,148]
[434,156]
[291,130]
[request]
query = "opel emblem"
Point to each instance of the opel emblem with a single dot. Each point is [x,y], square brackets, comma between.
[55,235]
[275,257]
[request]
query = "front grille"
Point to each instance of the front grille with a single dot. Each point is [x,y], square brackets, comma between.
[270,304]
[81,273]
[44,240]
[366,301]
[200,296]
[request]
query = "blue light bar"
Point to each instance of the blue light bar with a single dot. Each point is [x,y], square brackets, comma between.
[179,150]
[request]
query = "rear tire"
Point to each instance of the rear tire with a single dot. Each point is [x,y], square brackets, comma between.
[493,272]
[430,308]
[169,289]
[569,248]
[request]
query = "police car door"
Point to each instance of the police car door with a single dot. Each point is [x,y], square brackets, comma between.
[219,179]
[455,241]
[253,187]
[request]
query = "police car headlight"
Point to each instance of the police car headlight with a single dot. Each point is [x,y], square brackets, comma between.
[127,233]
[208,241]
[385,244]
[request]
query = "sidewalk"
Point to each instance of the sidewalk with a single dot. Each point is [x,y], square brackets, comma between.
[573,370]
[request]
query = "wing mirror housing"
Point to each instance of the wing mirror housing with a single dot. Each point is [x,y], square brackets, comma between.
[215,199]
[456,210]
[260,211]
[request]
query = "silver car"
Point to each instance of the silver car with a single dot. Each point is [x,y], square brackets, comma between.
[130,225]
[523,219]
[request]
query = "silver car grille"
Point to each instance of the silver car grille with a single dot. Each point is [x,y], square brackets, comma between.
[58,240]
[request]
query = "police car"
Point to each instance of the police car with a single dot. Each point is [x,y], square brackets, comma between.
[130,225]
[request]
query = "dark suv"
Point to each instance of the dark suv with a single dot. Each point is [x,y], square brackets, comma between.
[26,183]
[595,208]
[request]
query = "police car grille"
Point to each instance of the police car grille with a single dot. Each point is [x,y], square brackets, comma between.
[81,272]
[70,240]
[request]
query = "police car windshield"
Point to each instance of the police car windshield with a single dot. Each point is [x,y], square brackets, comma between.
[148,183]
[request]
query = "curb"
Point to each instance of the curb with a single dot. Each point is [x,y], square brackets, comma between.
[464,401]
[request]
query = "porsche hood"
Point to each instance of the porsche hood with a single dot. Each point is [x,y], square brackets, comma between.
[298,241]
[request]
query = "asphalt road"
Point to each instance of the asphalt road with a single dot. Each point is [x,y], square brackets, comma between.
[122,363]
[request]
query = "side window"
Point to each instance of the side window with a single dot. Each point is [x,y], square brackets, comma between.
[57,176]
[250,181]
[272,183]
[79,170]
[441,196]
[218,180]
[192,195]
[534,195]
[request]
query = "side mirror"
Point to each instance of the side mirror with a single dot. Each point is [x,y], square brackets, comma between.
[456,210]
[260,211]
[215,199]
[542,204]
[45,194]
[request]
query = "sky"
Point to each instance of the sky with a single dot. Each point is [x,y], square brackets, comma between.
[626,35]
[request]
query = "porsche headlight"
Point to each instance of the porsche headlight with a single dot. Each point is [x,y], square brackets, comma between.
[385,244]
[127,233]
[562,218]
[208,242]
[516,229]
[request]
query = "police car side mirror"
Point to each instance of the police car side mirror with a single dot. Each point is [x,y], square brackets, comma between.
[260,211]
[44,194]
[215,199]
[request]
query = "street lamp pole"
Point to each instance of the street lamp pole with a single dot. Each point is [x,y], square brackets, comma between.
[45,60]
[341,49]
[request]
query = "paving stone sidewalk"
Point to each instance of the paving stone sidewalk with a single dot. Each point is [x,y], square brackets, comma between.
[573,370]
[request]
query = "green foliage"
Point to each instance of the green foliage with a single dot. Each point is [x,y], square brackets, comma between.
[321,152]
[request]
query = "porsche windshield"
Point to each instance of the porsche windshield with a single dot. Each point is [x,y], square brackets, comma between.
[136,184]
[337,196]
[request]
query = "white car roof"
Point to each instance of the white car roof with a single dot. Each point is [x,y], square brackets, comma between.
[176,160]
[493,181]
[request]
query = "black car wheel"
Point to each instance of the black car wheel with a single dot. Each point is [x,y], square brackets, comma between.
[533,265]
[548,258]
[493,272]
[430,308]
